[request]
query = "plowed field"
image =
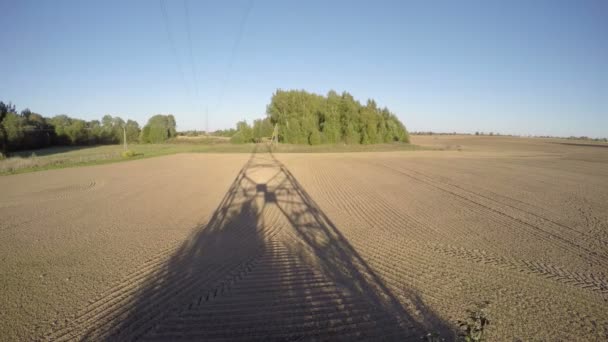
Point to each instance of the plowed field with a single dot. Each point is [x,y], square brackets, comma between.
[350,246]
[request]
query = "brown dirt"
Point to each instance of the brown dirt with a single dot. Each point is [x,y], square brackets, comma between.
[311,246]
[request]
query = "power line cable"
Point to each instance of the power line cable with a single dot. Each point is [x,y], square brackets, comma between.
[235,47]
[163,9]
[192,64]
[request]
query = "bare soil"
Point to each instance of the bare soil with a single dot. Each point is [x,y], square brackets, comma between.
[374,245]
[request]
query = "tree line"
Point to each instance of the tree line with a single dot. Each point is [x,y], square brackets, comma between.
[301,117]
[307,118]
[28,130]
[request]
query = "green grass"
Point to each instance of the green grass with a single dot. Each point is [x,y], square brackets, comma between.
[62,157]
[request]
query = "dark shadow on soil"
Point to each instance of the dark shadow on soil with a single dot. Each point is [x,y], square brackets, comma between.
[269,265]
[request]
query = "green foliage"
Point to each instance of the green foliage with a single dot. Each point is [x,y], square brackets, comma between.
[225,132]
[112,129]
[244,133]
[159,129]
[132,128]
[306,118]
[262,128]
[4,110]
[76,132]
[29,130]
[238,138]
[129,154]
[144,134]
[314,138]
[13,128]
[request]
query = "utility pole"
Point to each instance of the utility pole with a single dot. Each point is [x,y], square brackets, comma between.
[275,135]
[124,136]
[206,121]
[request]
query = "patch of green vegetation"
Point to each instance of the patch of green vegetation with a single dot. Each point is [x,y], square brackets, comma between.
[475,325]
[130,154]
[73,156]
[62,157]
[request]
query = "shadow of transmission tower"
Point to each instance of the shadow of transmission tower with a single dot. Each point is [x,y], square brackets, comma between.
[269,265]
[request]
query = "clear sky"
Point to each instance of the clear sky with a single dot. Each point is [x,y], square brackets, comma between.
[522,67]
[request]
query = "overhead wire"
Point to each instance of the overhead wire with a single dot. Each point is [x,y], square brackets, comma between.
[165,15]
[235,47]
[180,68]
[192,63]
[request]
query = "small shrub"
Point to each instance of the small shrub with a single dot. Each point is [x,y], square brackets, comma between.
[129,154]
[238,138]
[473,327]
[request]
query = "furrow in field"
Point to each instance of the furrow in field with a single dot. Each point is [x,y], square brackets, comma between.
[309,305]
[76,208]
[500,215]
[347,192]
[145,273]
[203,292]
[441,278]
[530,266]
[471,175]
[593,282]
[529,214]
[118,301]
[393,217]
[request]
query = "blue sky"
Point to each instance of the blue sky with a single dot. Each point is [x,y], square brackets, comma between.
[522,67]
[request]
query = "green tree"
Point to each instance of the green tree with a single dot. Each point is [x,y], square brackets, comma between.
[144,136]
[132,128]
[225,132]
[158,129]
[262,128]
[4,110]
[60,124]
[77,132]
[306,118]
[244,133]
[30,130]
[314,138]
[14,130]
[38,133]
[95,132]
[171,126]
[118,125]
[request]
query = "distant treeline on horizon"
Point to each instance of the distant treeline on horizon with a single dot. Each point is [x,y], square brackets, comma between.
[28,130]
[572,137]
[299,116]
